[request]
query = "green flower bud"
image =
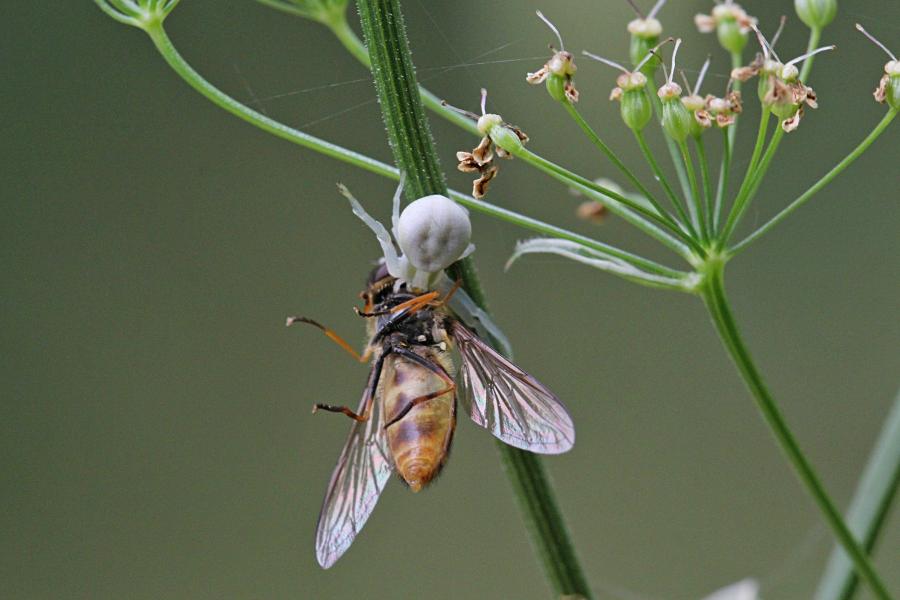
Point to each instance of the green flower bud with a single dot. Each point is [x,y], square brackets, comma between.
[816,13]
[644,38]
[731,23]
[676,119]
[730,35]
[507,139]
[889,87]
[636,109]
[487,122]
[556,86]
[638,50]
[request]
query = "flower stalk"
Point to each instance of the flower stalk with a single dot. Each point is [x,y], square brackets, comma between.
[713,292]
[414,152]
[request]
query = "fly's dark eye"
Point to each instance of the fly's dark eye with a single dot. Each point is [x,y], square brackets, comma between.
[377,274]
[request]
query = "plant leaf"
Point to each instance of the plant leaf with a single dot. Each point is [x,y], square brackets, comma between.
[868,509]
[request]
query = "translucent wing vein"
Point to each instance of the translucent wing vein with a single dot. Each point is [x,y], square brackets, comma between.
[509,402]
[361,473]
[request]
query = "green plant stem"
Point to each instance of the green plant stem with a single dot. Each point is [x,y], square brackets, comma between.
[696,207]
[707,186]
[821,183]
[713,291]
[403,113]
[664,182]
[869,508]
[737,208]
[815,35]
[355,46]
[626,208]
[756,181]
[724,173]
[595,139]
[737,60]
[219,98]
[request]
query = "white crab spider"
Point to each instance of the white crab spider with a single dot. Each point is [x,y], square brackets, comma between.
[432,233]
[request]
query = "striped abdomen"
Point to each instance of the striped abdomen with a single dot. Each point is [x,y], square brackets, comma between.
[420,440]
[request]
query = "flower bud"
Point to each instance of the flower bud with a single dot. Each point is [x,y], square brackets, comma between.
[433,232]
[644,38]
[507,138]
[889,88]
[487,122]
[816,14]
[556,87]
[676,119]
[558,71]
[731,23]
[730,37]
[636,108]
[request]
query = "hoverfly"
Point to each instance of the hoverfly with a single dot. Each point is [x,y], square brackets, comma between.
[407,415]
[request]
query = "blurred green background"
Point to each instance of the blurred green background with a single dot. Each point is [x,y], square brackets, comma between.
[155,434]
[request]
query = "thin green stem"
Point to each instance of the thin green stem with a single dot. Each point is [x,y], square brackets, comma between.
[219,98]
[815,35]
[821,183]
[595,139]
[737,60]
[737,207]
[724,172]
[639,216]
[696,206]
[716,301]
[664,182]
[707,186]
[414,152]
[758,177]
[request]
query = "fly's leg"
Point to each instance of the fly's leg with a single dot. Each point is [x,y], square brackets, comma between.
[371,386]
[414,304]
[431,366]
[364,357]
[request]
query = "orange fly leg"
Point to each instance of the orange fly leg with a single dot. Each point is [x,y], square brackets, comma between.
[332,336]
[443,301]
[414,304]
[347,411]
[431,366]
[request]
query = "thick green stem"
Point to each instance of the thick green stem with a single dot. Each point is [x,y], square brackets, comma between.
[713,292]
[355,46]
[414,152]
[821,183]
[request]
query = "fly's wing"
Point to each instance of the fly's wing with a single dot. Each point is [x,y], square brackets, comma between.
[361,472]
[509,402]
